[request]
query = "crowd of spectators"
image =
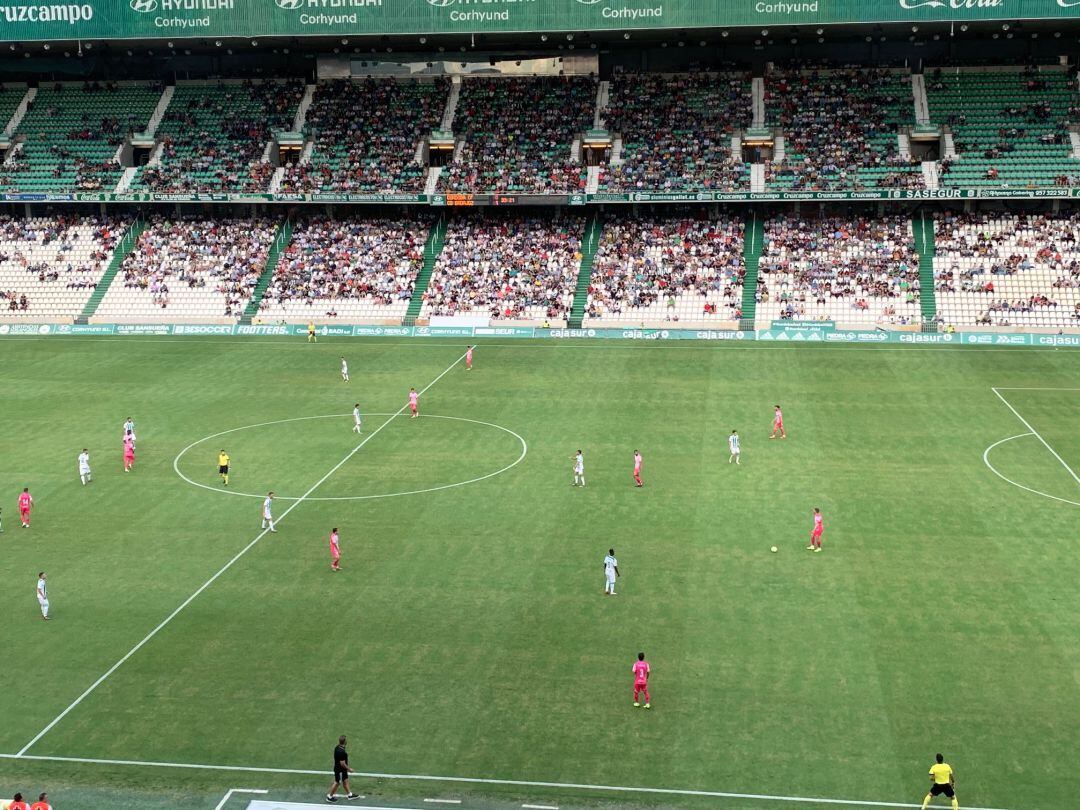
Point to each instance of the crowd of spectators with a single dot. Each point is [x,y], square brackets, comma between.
[513,267]
[331,261]
[213,138]
[67,250]
[518,135]
[676,132]
[840,129]
[1014,264]
[856,267]
[225,256]
[365,136]
[674,260]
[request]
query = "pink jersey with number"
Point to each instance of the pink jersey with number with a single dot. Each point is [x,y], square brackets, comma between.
[779,418]
[468,356]
[334,550]
[817,522]
[637,462]
[413,396]
[641,671]
[25,501]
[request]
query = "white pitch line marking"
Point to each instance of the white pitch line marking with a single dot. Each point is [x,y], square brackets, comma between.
[227,566]
[443,801]
[1037,435]
[994,470]
[227,796]
[475,780]
[518,460]
[540,807]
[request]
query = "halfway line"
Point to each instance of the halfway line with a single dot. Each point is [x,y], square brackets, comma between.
[1037,435]
[715,794]
[226,567]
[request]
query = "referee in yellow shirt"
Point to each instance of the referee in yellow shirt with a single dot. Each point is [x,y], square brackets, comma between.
[223,467]
[943,780]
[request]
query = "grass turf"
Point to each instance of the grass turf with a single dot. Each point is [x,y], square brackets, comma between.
[468,635]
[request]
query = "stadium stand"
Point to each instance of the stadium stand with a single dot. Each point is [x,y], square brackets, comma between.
[213,136]
[10,97]
[852,270]
[508,267]
[1010,128]
[71,135]
[676,132]
[355,270]
[664,268]
[191,270]
[840,129]
[1008,270]
[49,266]
[518,135]
[365,136]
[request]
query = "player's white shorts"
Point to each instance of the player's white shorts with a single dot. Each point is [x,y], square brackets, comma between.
[267,516]
[579,470]
[736,452]
[44,603]
[84,470]
[610,578]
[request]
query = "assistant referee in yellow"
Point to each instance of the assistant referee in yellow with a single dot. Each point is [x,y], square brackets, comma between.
[942,780]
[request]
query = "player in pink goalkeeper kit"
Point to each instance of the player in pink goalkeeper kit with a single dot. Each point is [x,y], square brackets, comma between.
[468,359]
[637,469]
[129,455]
[335,551]
[26,503]
[641,680]
[414,399]
[816,532]
[778,424]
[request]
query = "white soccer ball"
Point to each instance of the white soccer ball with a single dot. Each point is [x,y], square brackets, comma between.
[774,549]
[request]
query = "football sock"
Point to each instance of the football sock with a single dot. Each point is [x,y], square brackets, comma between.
[926,801]
[955,804]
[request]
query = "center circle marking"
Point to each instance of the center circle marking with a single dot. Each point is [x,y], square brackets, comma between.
[197,442]
[994,470]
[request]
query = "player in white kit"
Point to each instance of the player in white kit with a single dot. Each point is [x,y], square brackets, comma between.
[579,469]
[733,445]
[356,418]
[267,517]
[611,570]
[129,430]
[42,595]
[344,370]
[84,466]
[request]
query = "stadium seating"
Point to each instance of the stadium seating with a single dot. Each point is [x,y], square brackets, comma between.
[1004,269]
[10,96]
[518,135]
[666,268]
[71,135]
[676,132]
[365,136]
[213,136]
[840,129]
[356,270]
[49,266]
[854,270]
[508,267]
[193,270]
[1009,127]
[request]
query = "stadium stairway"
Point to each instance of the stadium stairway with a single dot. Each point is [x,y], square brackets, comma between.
[753,244]
[281,241]
[922,227]
[125,246]
[432,249]
[588,253]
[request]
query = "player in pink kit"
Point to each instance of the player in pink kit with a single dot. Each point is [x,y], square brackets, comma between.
[778,424]
[815,533]
[637,469]
[335,551]
[26,503]
[641,680]
[468,358]
[414,399]
[129,454]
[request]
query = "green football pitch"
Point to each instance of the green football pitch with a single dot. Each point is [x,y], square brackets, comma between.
[467,634]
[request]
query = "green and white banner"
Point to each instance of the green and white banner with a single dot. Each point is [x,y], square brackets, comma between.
[27,20]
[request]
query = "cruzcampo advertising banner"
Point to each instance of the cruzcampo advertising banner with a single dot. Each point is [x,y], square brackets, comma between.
[26,20]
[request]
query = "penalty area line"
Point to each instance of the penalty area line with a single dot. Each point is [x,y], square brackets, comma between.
[474,780]
[1036,434]
[226,567]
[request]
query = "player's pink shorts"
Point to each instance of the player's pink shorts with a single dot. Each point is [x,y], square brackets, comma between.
[816,533]
[335,555]
[24,514]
